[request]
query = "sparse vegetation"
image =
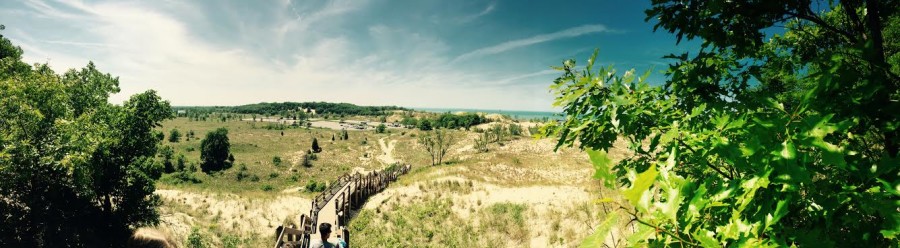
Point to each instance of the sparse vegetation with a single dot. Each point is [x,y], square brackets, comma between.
[436,143]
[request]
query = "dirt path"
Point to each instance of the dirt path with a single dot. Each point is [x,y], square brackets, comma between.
[387,155]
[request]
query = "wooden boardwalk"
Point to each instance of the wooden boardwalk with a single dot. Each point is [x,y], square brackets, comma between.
[335,204]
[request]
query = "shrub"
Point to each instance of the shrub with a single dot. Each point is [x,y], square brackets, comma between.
[174,136]
[306,161]
[276,160]
[515,129]
[380,128]
[313,186]
[180,178]
[194,239]
[180,162]
[267,187]
[273,175]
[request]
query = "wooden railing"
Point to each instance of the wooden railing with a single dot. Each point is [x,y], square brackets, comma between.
[351,191]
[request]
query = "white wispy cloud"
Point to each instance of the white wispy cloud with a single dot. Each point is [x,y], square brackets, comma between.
[153,48]
[487,10]
[541,38]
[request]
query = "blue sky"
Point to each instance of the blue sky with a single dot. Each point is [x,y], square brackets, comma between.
[444,54]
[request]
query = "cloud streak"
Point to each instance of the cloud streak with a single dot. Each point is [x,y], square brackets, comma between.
[487,10]
[291,51]
[514,44]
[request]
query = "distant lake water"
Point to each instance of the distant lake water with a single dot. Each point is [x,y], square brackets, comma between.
[516,114]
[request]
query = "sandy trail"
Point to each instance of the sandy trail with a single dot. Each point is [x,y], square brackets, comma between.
[387,155]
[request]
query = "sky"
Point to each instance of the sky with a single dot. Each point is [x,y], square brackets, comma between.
[411,53]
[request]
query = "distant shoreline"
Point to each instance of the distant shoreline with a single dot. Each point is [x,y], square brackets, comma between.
[516,114]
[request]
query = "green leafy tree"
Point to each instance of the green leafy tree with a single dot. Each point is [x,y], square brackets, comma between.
[788,140]
[174,135]
[75,170]
[424,125]
[167,153]
[315,146]
[380,128]
[180,162]
[409,122]
[214,151]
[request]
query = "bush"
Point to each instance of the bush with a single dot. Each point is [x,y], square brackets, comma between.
[174,136]
[229,241]
[313,186]
[180,162]
[306,161]
[515,129]
[194,239]
[241,175]
[267,187]
[380,128]
[273,175]
[276,161]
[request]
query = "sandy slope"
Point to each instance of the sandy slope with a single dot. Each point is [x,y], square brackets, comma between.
[387,155]
[231,212]
[545,204]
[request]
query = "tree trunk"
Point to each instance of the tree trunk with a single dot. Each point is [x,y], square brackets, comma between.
[879,66]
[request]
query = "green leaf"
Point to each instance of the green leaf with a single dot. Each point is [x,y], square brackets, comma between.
[640,185]
[601,232]
[788,151]
[602,165]
[706,238]
[669,135]
[780,211]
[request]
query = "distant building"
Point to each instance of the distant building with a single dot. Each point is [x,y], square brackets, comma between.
[181,113]
[308,110]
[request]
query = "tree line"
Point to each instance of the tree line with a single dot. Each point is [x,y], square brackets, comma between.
[444,120]
[270,109]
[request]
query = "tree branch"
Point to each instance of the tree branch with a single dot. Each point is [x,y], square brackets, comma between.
[707,162]
[823,24]
[850,11]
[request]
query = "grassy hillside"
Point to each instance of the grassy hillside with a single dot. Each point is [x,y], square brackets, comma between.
[482,192]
